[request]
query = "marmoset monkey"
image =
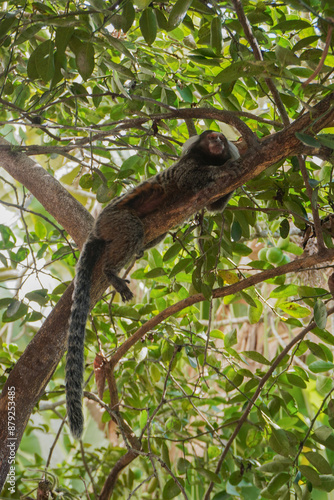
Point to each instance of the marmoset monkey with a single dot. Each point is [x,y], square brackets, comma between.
[118,236]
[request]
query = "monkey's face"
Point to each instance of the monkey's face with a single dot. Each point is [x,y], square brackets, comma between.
[215,143]
[209,148]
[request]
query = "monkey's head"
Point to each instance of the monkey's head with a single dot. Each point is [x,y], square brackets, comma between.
[210,148]
[214,143]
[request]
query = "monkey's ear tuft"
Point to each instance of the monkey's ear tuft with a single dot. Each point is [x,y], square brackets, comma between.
[189,144]
[234,151]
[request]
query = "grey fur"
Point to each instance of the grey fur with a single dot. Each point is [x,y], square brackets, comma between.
[75,348]
[118,236]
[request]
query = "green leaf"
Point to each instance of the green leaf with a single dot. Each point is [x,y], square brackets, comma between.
[250,301]
[320,366]
[310,474]
[172,252]
[13,307]
[155,273]
[148,25]
[295,380]
[293,248]
[256,356]
[211,476]
[143,419]
[213,452]
[291,25]
[164,452]
[173,424]
[323,432]
[41,62]
[84,57]
[308,140]
[254,437]
[319,462]
[294,309]
[40,229]
[236,231]
[6,23]
[128,16]
[3,260]
[21,254]
[316,349]
[119,45]
[286,56]
[278,481]
[171,489]
[295,208]
[27,33]
[119,84]
[235,70]
[216,36]
[178,13]
[326,140]
[324,335]
[231,338]
[320,314]
[280,442]
[39,296]
[161,20]
[324,384]
[63,36]
[327,483]
[183,465]
[284,291]
[16,310]
[217,334]
[127,312]
[155,373]
[180,266]
[61,253]
[241,249]
[284,228]
[206,290]
[274,466]
[255,313]
[235,478]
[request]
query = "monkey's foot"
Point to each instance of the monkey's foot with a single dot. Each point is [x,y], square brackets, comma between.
[122,288]
[119,284]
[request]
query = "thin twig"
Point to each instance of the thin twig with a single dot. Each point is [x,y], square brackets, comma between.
[323,57]
[315,213]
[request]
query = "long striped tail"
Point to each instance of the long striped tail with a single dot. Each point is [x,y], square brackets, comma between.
[91,252]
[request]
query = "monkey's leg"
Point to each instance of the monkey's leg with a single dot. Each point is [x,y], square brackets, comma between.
[151,244]
[118,283]
[220,204]
[123,232]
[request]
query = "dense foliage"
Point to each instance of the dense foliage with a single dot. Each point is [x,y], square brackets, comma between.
[91,88]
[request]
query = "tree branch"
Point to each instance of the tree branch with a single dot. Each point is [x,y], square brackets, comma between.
[48,191]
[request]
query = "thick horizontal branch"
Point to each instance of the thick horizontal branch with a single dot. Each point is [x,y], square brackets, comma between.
[271,150]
